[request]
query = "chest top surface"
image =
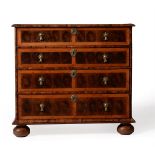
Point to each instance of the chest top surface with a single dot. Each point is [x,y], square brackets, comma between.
[72,25]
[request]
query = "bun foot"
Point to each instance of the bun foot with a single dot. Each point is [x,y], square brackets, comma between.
[125,129]
[21,131]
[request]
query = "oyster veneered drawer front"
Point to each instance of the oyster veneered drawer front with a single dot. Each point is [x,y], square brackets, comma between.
[73,36]
[44,36]
[74,106]
[44,58]
[103,79]
[44,80]
[102,57]
[106,105]
[72,57]
[103,36]
[73,80]
[47,105]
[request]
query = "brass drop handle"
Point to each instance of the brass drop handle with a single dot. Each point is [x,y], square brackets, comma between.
[105,58]
[42,107]
[105,80]
[40,58]
[105,35]
[106,105]
[41,36]
[41,80]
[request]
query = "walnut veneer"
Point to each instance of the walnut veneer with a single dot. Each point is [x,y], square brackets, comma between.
[77,73]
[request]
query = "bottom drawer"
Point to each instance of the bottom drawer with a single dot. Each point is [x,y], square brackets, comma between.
[73,106]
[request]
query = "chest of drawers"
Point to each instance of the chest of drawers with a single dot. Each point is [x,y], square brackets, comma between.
[73,74]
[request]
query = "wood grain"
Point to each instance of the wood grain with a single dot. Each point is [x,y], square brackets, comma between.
[87,106]
[51,102]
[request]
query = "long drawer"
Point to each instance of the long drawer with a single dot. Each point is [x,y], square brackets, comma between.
[72,80]
[72,36]
[36,58]
[73,106]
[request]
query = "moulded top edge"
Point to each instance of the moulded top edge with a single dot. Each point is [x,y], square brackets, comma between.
[70,25]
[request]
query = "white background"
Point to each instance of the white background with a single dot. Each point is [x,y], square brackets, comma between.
[81,139]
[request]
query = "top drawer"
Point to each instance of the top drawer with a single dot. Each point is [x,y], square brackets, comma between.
[72,36]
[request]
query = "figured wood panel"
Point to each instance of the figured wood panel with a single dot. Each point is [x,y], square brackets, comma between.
[64,36]
[44,80]
[103,57]
[62,80]
[29,58]
[46,58]
[102,106]
[29,106]
[46,107]
[103,79]
[43,36]
[50,57]
[102,36]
